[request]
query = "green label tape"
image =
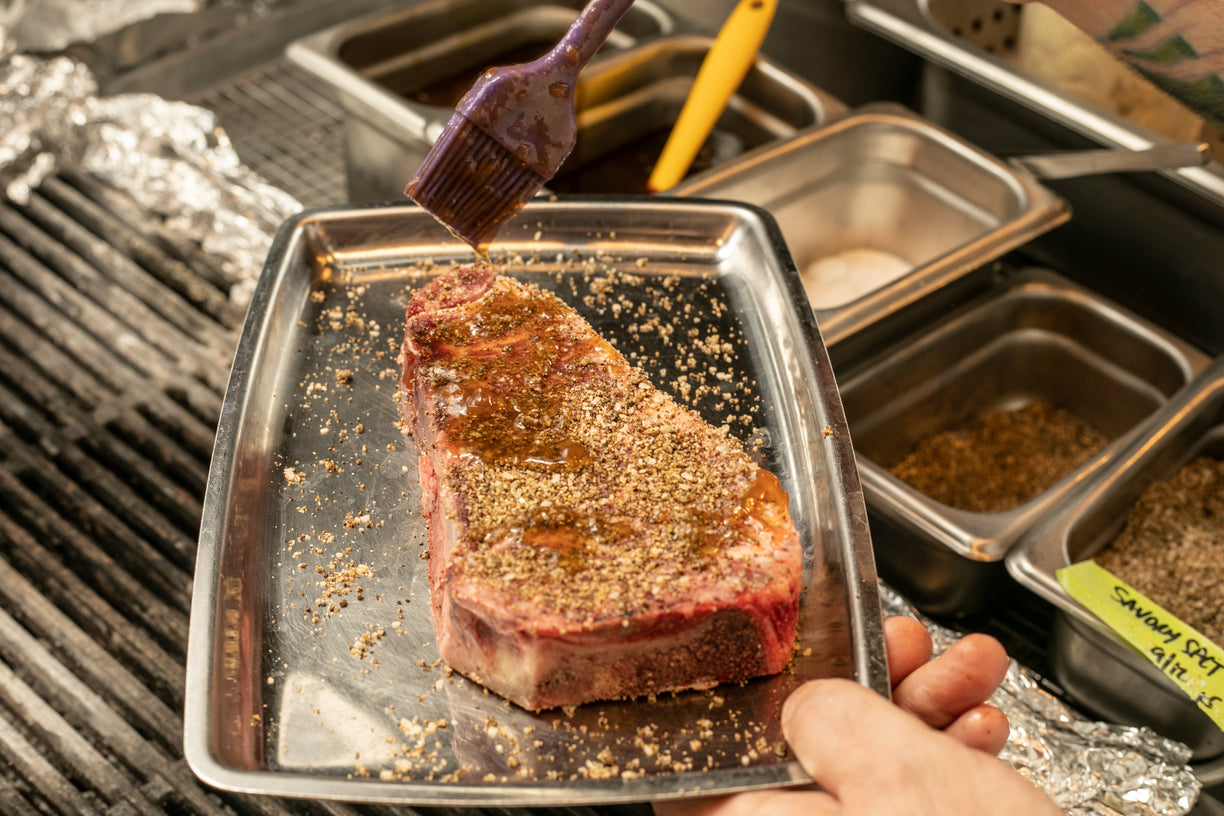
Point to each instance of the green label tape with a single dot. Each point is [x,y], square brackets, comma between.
[1187,658]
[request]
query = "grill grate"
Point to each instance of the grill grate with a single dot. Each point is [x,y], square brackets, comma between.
[289,132]
[114,354]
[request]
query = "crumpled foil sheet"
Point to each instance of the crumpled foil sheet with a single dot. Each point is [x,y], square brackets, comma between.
[51,25]
[172,158]
[1088,768]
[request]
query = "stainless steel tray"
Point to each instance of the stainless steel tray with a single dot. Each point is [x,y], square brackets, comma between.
[886,180]
[292,695]
[1092,664]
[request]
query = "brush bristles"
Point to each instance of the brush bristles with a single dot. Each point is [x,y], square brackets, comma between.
[472,183]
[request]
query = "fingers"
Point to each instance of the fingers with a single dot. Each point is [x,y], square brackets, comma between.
[982,727]
[714,806]
[908,645]
[841,732]
[874,758]
[772,802]
[957,681]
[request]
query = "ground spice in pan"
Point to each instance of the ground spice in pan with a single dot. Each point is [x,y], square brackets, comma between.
[1002,459]
[1172,547]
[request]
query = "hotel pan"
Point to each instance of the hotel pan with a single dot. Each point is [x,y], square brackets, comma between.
[886,179]
[637,87]
[1092,664]
[970,37]
[1030,335]
[373,63]
[309,445]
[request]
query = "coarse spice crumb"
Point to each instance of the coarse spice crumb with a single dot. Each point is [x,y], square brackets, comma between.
[1172,547]
[1002,459]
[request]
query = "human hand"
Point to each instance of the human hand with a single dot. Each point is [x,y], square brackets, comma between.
[930,751]
[950,692]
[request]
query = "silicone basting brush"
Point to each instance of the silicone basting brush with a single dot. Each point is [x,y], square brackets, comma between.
[510,133]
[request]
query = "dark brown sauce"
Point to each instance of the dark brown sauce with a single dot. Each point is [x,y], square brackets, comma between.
[501,374]
[446,91]
[763,499]
[626,170]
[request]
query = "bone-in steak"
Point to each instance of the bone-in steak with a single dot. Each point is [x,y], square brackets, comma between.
[589,538]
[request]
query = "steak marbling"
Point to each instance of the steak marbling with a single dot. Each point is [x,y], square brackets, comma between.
[589,538]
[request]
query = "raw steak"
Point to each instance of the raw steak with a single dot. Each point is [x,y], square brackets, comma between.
[589,538]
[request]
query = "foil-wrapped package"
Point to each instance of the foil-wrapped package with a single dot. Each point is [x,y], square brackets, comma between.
[172,158]
[1088,768]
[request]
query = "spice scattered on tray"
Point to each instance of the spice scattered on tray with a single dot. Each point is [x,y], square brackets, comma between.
[1002,459]
[354,590]
[1172,547]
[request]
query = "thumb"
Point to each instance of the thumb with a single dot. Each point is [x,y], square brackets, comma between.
[842,732]
[875,757]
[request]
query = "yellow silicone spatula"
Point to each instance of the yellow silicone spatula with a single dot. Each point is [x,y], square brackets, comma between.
[732,54]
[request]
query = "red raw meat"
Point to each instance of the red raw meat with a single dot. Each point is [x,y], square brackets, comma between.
[589,538]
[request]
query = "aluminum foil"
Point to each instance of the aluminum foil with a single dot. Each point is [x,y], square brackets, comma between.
[1088,768]
[51,25]
[172,158]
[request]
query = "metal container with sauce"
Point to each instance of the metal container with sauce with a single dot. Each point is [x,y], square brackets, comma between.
[398,76]
[881,208]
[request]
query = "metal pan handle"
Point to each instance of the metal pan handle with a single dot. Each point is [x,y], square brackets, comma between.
[1076,163]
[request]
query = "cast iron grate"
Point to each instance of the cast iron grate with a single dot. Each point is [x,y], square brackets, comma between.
[114,352]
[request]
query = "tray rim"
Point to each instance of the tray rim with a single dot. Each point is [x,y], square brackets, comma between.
[860,582]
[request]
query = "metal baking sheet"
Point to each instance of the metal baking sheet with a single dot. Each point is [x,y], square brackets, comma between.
[312,670]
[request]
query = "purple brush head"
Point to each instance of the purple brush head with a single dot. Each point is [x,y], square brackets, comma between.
[510,134]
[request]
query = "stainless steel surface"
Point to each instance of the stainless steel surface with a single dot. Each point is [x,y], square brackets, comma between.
[635,98]
[368,64]
[82,632]
[885,179]
[914,24]
[276,700]
[1035,336]
[1130,690]
[375,65]
[1076,163]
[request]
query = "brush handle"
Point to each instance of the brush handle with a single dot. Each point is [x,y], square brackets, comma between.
[589,31]
[730,57]
[529,109]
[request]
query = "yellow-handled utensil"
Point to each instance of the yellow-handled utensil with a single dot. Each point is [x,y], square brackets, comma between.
[732,54]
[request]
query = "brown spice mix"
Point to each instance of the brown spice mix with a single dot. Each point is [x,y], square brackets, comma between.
[1003,459]
[1172,548]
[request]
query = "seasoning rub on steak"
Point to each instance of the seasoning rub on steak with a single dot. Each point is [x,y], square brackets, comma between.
[589,538]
